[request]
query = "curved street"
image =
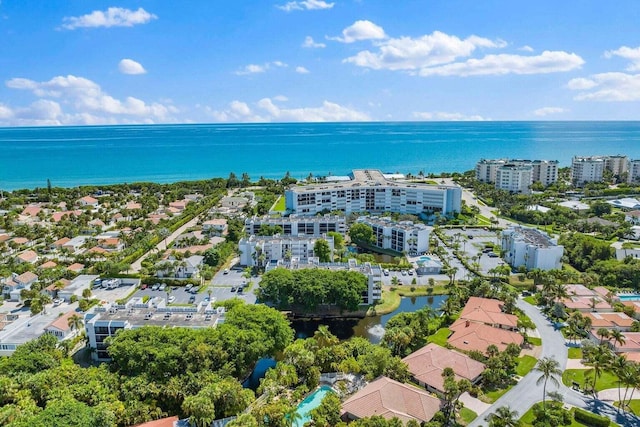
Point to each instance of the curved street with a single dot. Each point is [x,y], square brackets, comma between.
[526,393]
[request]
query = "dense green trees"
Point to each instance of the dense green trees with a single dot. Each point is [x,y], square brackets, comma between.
[322,250]
[305,290]
[361,233]
[583,251]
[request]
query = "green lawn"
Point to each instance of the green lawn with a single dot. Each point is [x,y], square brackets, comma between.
[605,381]
[634,406]
[279,205]
[525,364]
[535,340]
[467,415]
[440,337]
[531,300]
[492,396]
[575,353]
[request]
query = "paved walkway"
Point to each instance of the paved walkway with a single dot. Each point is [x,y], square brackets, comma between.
[476,405]
[526,393]
[576,364]
[611,394]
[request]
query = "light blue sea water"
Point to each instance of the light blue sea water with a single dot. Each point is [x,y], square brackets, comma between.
[71,156]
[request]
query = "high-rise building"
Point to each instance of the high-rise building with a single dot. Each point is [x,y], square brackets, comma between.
[514,177]
[587,169]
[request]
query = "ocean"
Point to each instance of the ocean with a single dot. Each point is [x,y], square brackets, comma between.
[71,156]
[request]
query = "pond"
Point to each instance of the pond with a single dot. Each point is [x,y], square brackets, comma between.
[371,328]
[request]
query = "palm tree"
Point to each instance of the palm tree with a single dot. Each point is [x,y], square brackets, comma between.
[599,360]
[616,337]
[603,333]
[503,417]
[550,370]
[75,322]
[619,365]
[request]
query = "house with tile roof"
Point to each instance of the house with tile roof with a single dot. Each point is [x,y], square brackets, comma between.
[31,210]
[427,364]
[76,267]
[617,320]
[60,328]
[88,201]
[389,398]
[470,336]
[16,283]
[635,305]
[27,256]
[48,264]
[58,244]
[489,312]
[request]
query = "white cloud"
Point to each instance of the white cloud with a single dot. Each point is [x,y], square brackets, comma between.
[360,30]
[85,103]
[406,53]
[614,86]
[267,111]
[310,43]
[546,62]
[129,66]
[301,70]
[257,69]
[305,5]
[5,112]
[280,98]
[632,54]
[112,17]
[526,48]
[545,111]
[442,116]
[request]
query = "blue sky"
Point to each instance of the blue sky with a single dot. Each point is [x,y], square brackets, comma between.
[75,62]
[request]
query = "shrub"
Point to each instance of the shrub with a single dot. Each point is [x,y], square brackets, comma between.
[590,418]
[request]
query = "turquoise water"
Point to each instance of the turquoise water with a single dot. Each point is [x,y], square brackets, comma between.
[425,258]
[71,156]
[309,403]
[629,297]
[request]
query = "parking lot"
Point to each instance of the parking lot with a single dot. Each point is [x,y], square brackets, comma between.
[473,242]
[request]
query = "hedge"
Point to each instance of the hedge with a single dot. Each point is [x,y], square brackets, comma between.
[590,418]
[150,280]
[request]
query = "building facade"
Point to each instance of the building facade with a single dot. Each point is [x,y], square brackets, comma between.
[295,225]
[515,178]
[370,191]
[262,250]
[105,321]
[404,236]
[543,171]
[487,169]
[531,248]
[634,171]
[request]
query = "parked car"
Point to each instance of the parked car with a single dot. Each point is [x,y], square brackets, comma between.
[233,289]
[162,287]
[155,287]
[171,299]
[192,299]
[226,271]
[410,272]
[403,272]
[385,272]
[57,302]
[143,286]
[493,255]
[189,286]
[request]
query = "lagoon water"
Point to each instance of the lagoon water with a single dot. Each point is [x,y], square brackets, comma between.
[71,156]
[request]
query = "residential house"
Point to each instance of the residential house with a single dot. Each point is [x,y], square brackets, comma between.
[489,312]
[216,226]
[633,217]
[75,245]
[185,269]
[88,201]
[59,244]
[470,336]
[76,267]
[60,327]
[110,244]
[389,399]
[618,320]
[32,211]
[636,307]
[179,205]
[29,257]
[48,264]
[14,285]
[165,422]
[427,364]
[625,204]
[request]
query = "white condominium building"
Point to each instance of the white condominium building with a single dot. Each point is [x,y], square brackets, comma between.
[404,236]
[263,250]
[544,171]
[587,169]
[516,178]
[294,225]
[106,320]
[616,164]
[634,171]
[487,169]
[370,191]
[531,248]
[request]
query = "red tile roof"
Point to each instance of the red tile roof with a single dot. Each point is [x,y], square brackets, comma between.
[388,399]
[76,267]
[31,210]
[61,242]
[48,264]
[27,277]
[164,422]
[62,322]
[428,363]
[609,320]
[487,311]
[28,256]
[470,336]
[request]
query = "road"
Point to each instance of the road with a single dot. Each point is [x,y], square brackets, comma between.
[485,210]
[526,393]
[162,246]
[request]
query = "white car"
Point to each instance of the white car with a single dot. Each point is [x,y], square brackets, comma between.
[57,302]
[172,299]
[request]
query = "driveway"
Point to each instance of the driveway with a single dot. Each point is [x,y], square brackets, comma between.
[526,393]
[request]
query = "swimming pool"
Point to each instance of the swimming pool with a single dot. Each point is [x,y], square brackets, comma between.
[424,258]
[631,297]
[309,403]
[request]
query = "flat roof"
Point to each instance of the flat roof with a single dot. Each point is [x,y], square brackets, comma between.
[138,317]
[26,327]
